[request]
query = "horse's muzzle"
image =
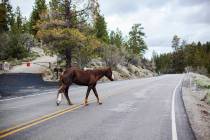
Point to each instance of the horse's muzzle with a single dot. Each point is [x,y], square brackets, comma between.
[112,79]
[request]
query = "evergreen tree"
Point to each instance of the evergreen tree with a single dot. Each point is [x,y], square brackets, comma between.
[61,32]
[116,38]
[3,18]
[101,28]
[136,41]
[194,55]
[6,16]
[18,18]
[55,8]
[183,44]
[175,42]
[54,5]
[16,27]
[39,8]
[25,25]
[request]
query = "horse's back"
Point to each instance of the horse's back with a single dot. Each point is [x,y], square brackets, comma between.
[77,76]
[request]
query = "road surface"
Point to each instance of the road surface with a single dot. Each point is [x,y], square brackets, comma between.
[139,109]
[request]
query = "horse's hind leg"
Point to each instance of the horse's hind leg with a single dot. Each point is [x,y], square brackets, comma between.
[86,97]
[59,95]
[96,94]
[67,96]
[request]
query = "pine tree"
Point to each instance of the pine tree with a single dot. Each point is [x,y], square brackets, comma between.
[136,41]
[101,28]
[19,18]
[39,8]
[175,42]
[116,38]
[62,32]
[6,16]
[17,27]
[55,9]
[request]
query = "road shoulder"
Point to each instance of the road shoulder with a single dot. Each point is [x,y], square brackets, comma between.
[197,110]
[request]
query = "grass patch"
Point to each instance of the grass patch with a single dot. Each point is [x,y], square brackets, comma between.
[201,81]
[204,83]
[208,97]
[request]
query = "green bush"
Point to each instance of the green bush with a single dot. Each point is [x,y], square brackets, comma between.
[208,98]
[16,46]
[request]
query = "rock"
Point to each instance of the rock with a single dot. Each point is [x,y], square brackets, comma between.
[117,75]
[96,63]
[132,68]
[123,70]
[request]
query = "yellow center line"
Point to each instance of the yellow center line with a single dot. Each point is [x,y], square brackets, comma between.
[17,128]
[14,127]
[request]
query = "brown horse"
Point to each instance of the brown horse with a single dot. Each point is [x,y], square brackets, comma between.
[82,77]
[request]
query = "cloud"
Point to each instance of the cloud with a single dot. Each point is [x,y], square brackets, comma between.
[161,19]
[25,6]
[119,6]
[126,6]
[192,2]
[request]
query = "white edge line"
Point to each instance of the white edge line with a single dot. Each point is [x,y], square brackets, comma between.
[173,115]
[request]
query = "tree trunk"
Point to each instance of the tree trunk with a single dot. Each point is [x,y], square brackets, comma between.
[68,14]
[68,54]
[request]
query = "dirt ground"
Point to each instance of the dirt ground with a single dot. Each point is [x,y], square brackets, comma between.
[198,111]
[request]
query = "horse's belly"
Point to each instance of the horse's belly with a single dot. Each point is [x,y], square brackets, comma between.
[82,83]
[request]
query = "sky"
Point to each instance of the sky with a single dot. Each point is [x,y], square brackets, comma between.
[161,19]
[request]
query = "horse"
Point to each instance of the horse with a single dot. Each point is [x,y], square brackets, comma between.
[82,77]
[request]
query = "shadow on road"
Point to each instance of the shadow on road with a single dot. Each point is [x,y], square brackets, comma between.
[20,84]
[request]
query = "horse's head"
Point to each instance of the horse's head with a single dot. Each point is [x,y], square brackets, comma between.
[109,74]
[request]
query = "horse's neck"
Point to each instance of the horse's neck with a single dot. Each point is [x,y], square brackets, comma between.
[100,73]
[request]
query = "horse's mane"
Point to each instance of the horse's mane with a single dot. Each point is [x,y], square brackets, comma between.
[95,71]
[99,70]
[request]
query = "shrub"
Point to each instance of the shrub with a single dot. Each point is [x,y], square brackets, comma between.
[16,46]
[113,55]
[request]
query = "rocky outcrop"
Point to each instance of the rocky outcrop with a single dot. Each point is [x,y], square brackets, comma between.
[128,71]
[120,72]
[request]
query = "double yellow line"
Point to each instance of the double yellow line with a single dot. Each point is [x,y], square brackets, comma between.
[17,128]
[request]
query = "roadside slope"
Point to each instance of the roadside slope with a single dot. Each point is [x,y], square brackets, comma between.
[198,111]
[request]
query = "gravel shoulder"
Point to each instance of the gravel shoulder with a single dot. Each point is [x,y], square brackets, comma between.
[198,110]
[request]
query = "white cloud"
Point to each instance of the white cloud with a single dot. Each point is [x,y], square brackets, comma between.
[161,20]
[25,6]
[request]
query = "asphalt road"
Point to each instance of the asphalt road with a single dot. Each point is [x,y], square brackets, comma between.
[138,109]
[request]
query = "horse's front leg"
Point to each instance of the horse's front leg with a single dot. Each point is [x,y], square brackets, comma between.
[87,94]
[96,94]
[67,96]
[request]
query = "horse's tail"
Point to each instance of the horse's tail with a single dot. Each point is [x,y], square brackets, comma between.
[61,80]
[66,78]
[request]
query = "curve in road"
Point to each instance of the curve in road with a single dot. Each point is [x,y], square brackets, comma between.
[132,109]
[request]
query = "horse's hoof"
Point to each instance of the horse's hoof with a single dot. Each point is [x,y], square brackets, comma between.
[86,104]
[71,104]
[100,103]
[57,103]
